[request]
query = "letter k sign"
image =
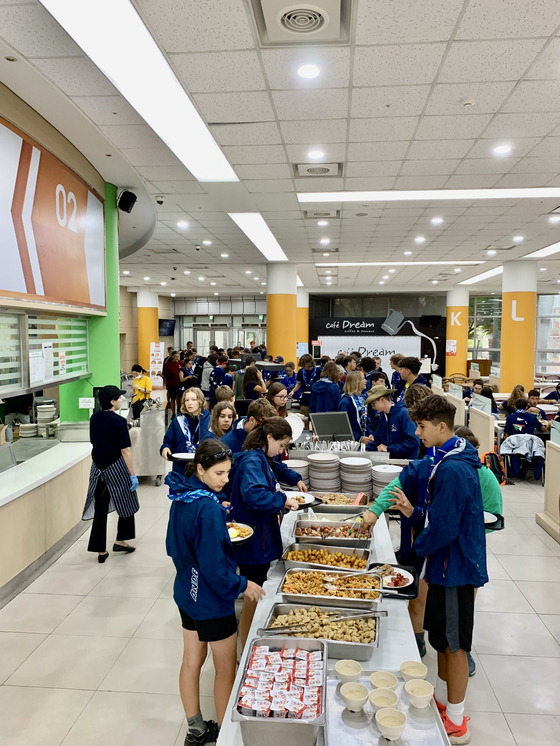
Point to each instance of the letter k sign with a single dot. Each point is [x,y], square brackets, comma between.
[455,318]
[514,316]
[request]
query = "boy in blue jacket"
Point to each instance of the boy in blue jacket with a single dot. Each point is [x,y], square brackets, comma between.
[257,411]
[522,422]
[453,543]
[395,432]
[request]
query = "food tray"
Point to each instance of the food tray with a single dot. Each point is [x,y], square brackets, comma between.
[423,727]
[409,591]
[358,651]
[349,603]
[332,541]
[275,731]
[299,563]
[346,509]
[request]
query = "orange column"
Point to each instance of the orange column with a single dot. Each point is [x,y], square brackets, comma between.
[302,316]
[457,331]
[281,311]
[148,327]
[519,320]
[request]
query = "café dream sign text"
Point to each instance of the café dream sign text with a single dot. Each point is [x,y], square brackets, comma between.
[344,325]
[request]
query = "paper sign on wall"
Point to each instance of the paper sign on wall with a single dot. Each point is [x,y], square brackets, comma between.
[451,347]
[156,363]
[62,363]
[36,367]
[48,361]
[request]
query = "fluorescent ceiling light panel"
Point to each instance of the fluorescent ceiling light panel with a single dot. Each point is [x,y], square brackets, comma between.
[429,194]
[255,228]
[483,276]
[114,37]
[554,248]
[395,264]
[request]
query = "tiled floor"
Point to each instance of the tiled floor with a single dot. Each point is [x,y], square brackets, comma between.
[89,653]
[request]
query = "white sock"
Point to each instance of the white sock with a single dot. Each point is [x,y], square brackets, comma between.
[455,712]
[441,691]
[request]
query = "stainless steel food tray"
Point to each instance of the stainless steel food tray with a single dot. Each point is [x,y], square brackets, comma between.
[346,509]
[281,731]
[358,651]
[344,550]
[350,603]
[332,541]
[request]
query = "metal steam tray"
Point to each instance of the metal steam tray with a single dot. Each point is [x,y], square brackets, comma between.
[331,549]
[333,541]
[350,603]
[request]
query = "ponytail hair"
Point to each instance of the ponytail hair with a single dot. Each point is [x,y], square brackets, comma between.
[277,427]
[211,451]
[138,369]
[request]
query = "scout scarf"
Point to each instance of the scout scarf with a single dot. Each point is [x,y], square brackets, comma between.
[361,411]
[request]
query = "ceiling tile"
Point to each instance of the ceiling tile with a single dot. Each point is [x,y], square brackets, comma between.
[514,19]
[387,22]
[450,98]
[424,149]
[334,153]
[80,78]
[373,168]
[132,136]
[281,67]
[452,127]
[431,167]
[549,147]
[394,101]
[166,173]
[536,95]
[377,151]
[35,33]
[251,133]
[314,131]
[522,125]
[546,66]
[488,61]
[252,106]
[381,128]
[420,182]
[150,157]
[178,187]
[406,64]
[330,103]
[526,180]
[520,146]
[530,165]
[264,171]
[108,110]
[192,26]
[219,71]
[370,183]
[486,165]
[326,184]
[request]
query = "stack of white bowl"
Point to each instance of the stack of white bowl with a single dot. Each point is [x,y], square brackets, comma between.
[27,430]
[324,471]
[301,466]
[383,474]
[45,413]
[355,475]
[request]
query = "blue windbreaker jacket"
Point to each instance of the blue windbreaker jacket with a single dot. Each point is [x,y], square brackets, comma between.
[175,440]
[397,431]
[325,396]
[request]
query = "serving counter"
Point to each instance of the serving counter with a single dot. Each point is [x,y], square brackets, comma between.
[396,645]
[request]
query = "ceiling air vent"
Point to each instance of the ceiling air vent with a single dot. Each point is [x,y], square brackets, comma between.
[284,23]
[494,247]
[318,169]
[321,213]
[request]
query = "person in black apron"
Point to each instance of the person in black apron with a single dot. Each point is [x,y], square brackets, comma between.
[112,481]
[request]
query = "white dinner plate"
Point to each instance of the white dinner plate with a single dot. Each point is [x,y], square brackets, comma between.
[489,517]
[387,579]
[307,499]
[296,423]
[238,539]
[183,456]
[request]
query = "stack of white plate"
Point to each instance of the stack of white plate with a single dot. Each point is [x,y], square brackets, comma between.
[28,430]
[383,474]
[324,472]
[301,466]
[45,413]
[355,475]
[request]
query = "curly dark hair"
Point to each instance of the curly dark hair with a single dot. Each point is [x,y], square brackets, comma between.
[434,409]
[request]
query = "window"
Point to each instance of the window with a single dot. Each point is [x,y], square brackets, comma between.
[548,335]
[485,328]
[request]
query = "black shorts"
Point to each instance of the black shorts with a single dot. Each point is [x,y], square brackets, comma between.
[210,630]
[449,617]
[256,573]
[173,391]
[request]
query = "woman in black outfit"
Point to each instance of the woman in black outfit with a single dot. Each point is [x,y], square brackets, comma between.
[112,481]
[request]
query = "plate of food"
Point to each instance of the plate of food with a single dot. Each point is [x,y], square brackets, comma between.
[303,498]
[394,577]
[239,532]
[489,517]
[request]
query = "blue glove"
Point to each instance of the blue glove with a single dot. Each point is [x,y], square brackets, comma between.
[133,483]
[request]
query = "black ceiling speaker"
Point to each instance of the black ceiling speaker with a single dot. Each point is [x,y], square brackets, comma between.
[126,201]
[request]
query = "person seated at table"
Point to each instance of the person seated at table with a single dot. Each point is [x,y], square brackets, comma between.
[534,399]
[522,422]
[258,410]
[477,387]
[510,405]
[410,373]
[325,393]
[396,432]
[553,396]
[488,393]
[188,429]
[354,405]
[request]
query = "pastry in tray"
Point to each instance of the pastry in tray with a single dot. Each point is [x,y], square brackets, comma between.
[336,498]
[347,531]
[324,557]
[319,625]
[318,583]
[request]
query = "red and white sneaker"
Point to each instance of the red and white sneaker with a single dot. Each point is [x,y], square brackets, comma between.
[441,708]
[457,734]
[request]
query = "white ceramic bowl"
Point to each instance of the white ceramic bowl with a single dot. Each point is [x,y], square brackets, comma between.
[420,692]
[390,722]
[381,698]
[348,670]
[383,680]
[413,670]
[354,695]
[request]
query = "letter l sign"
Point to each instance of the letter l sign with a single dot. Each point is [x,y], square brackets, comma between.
[514,316]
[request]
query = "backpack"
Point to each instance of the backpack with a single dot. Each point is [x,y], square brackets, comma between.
[495,462]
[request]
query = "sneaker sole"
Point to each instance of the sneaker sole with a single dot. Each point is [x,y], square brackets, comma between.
[459,740]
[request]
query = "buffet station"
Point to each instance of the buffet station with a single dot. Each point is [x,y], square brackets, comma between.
[331,656]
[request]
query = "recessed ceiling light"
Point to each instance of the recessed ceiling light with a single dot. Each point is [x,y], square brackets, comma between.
[502,149]
[147,279]
[542,269]
[308,72]
[261,292]
[163,283]
[436,221]
[316,154]
[328,272]
[173,295]
[126,271]
[224,256]
[329,282]
[491,252]
[263,283]
[385,277]
[408,253]
[213,284]
[457,270]
[216,293]
[248,272]
[419,239]
[255,278]
[392,270]
[201,278]
[517,239]
[325,241]
[554,219]
[322,223]
[326,253]
[207,243]
[182,224]
[435,282]
[186,272]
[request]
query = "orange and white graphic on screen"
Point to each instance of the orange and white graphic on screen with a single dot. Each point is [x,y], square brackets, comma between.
[52,227]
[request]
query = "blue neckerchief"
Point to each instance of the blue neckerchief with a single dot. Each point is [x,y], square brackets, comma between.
[449,445]
[361,411]
[183,423]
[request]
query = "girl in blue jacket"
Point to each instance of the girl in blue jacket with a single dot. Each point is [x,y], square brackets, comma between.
[354,405]
[206,584]
[188,429]
[256,499]
[325,393]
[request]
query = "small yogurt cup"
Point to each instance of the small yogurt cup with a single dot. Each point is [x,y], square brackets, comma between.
[354,695]
[348,670]
[390,722]
[381,698]
[383,680]
[420,692]
[413,670]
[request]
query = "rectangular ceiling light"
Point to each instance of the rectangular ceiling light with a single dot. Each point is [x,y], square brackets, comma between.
[114,37]
[397,264]
[255,228]
[483,276]
[429,194]
[554,248]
